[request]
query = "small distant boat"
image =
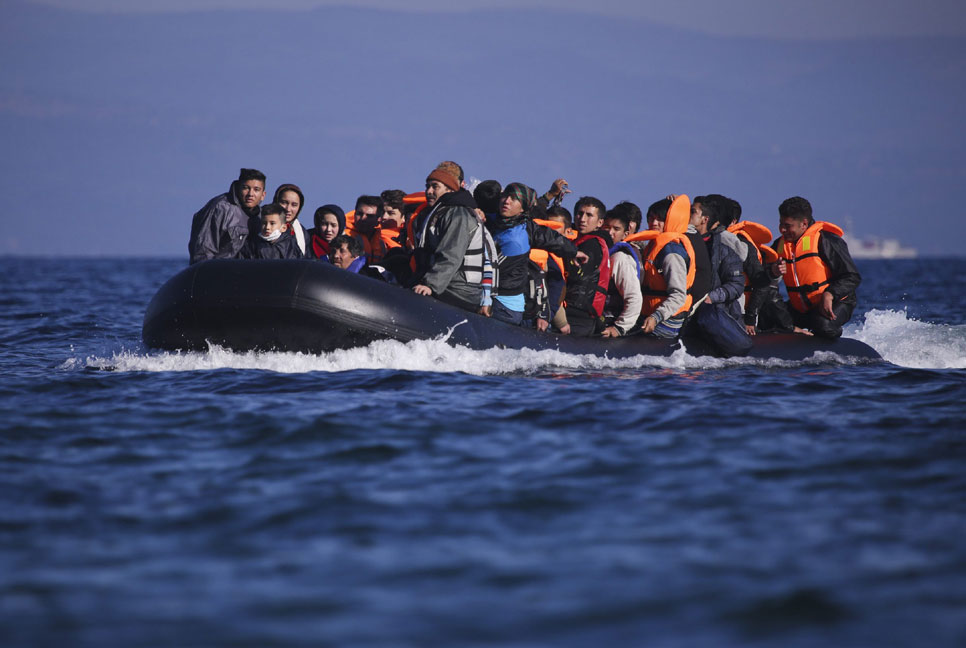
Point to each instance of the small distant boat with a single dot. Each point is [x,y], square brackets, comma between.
[876,248]
[873,247]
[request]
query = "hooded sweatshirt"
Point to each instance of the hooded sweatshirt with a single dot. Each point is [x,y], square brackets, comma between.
[220,228]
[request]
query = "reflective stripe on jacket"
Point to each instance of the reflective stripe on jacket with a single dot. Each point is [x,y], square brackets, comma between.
[806,275]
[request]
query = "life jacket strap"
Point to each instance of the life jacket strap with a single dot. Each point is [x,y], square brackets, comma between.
[807,288]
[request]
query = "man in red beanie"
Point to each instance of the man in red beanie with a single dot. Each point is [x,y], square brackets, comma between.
[450,262]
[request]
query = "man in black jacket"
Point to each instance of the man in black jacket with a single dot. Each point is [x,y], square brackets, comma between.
[587,279]
[820,276]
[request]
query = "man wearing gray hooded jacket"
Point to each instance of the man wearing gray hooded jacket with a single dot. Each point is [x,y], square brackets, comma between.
[719,318]
[220,228]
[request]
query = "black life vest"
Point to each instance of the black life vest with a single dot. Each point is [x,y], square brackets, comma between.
[587,287]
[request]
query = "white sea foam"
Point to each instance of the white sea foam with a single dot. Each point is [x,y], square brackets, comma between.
[420,355]
[910,342]
[900,340]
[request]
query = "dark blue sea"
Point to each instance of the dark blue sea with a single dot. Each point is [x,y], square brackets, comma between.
[422,495]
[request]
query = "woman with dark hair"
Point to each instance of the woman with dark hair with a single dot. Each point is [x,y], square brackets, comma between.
[329,223]
[291,199]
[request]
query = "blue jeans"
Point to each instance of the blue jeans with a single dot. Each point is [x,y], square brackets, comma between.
[504,314]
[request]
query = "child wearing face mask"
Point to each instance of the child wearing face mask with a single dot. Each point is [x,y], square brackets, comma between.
[271,242]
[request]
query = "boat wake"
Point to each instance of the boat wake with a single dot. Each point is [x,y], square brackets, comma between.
[900,340]
[910,342]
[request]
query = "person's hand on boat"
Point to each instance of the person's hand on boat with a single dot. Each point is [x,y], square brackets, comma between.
[420,289]
[565,329]
[828,300]
[649,325]
[485,311]
[610,331]
[542,324]
[751,330]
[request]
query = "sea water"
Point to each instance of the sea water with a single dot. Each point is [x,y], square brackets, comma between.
[423,495]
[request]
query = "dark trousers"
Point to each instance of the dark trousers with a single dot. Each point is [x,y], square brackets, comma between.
[822,326]
[582,324]
[504,314]
[716,325]
[779,316]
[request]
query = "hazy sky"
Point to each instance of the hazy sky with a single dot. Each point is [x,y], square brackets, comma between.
[118,123]
[772,18]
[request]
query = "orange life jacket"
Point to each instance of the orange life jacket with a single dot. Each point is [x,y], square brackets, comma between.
[757,237]
[410,235]
[541,257]
[653,284]
[806,275]
[390,236]
[374,245]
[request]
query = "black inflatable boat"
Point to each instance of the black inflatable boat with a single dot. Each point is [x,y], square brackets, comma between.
[315,307]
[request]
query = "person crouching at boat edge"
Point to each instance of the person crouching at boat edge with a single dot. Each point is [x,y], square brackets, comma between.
[220,229]
[272,241]
[819,273]
[449,257]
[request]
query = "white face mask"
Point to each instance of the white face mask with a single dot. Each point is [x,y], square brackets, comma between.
[271,237]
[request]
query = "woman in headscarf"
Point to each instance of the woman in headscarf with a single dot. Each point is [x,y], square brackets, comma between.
[291,199]
[329,223]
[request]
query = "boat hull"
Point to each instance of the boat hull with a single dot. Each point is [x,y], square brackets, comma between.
[308,306]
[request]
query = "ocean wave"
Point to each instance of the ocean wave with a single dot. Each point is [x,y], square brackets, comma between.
[899,339]
[426,356]
[909,342]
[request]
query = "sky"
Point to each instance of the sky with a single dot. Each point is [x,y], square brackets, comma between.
[120,120]
[801,19]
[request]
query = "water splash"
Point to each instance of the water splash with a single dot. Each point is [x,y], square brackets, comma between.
[423,355]
[900,340]
[910,342]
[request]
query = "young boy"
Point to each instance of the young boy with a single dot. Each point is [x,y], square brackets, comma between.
[270,244]
[561,215]
[624,299]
